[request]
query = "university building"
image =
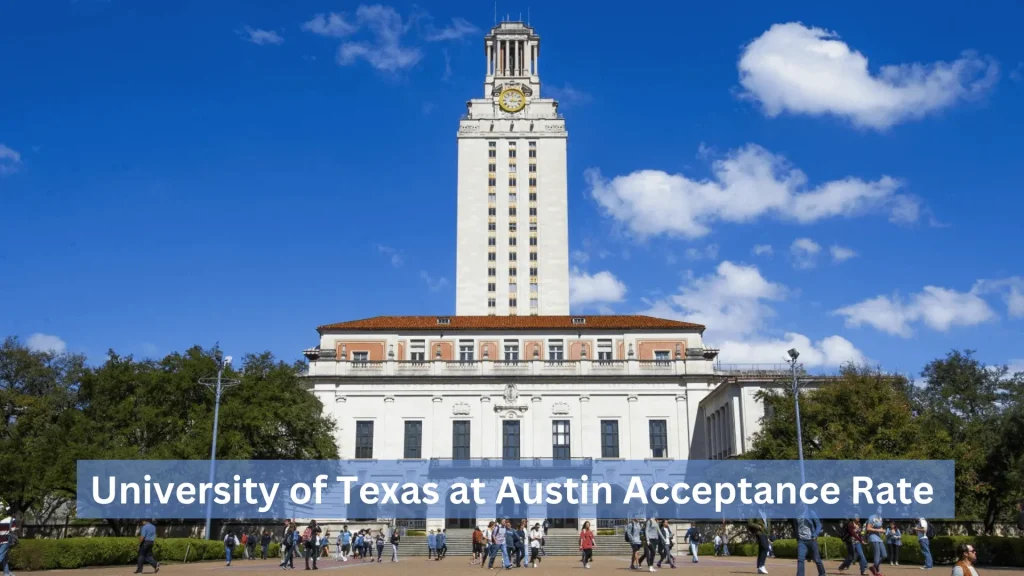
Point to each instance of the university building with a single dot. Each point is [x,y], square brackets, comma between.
[513,375]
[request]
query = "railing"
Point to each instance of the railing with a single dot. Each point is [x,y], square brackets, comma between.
[535,463]
[754,369]
[536,367]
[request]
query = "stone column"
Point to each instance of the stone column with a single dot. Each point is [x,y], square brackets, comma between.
[488,53]
[683,424]
[586,429]
[538,427]
[339,426]
[479,447]
[508,57]
[381,437]
[436,431]
[630,416]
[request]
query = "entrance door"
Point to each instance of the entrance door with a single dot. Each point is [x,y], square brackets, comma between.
[510,453]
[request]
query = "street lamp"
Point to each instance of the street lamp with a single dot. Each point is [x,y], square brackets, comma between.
[793,355]
[218,384]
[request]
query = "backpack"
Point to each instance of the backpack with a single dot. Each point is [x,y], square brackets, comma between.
[930,531]
[697,537]
[307,533]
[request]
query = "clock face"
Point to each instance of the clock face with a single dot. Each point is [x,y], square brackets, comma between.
[512,100]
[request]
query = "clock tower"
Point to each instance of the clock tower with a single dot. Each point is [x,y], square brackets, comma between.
[513,228]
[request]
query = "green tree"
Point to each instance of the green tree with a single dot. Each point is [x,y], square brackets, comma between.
[980,409]
[40,437]
[862,414]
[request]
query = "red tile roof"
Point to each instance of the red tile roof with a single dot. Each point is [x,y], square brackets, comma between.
[430,323]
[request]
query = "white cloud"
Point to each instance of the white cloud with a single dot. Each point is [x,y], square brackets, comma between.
[602,287]
[580,256]
[802,70]
[841,254]
[1015,365]
[938,308]
[386,52]
[804,253]
[567,95]
[1011,289]
[710,252]
[830,351]
[733,302]
[762,250]
[39,342]
[261,37]
[10,160]
[394,255]
[747,184]
[433,284]
[333,25]
[460,28]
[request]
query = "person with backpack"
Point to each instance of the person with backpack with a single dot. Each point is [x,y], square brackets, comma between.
[925,532]
[230,541]
[633,536]
[854,547]
[8,540]
[288,545]
[311,541]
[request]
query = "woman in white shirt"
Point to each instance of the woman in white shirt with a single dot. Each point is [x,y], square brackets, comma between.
[535,536]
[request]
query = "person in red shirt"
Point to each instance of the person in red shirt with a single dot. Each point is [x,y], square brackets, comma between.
[587,544]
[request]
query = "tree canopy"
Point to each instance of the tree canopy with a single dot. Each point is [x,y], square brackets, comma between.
[962,410]
[58,410]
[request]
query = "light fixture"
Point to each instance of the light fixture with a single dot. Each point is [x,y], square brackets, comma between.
[793,354]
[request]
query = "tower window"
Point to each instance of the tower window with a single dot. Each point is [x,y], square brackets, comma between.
[512,256]
[511,180]
[511,210]
[533,271]
[492,241]
[533,168]
[492,153]
[533,182]
[511,197]
[512,241]
[491,226]
[513,271]
[491,303]
[492,211]
[511,226]
[533,196]
[533,211]
[492,166]
[533,240]
[492,181]
[491,256]
[491,272]
[511,152]
[533,256]
[512,302]
[491,287]
[492,144]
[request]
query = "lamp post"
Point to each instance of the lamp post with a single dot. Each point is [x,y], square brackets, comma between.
[793,355]
[218,385]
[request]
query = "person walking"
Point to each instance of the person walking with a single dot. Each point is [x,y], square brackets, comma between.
[478,545]
[633,531]
[807,526]
[522,544]
[230,541]
[667,543]
[346,542]
[396,538]
[586,544]
[692,537]
[894,539]
[535,537]
[718,543]
[8,540]
[876,530]
[379,541]
[489,548]
[264,544]
[147,539]
[288,547]
[653,531]
[924,532]
[431,545]
[966,555]
[759,531]
[854,548]
[311,541]
[442,543]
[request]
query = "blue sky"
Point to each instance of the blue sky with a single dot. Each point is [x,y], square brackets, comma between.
[193,172]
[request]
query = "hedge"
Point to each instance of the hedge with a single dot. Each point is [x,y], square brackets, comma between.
[992,550]
[66,553]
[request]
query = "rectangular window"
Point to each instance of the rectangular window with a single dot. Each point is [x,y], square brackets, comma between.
[511,210]
[512,302]
[511,181]
[513,271]
[511,152]
[556,352]
[511,351]
[609,438]
[510,440]
[533,256]
[533,271]
[492,181]
[465,351]
[533,287]
[417,351]
[491,303]
[512,241]
[491,226]
[512,168]
[533,168]
[604,349]
[492,153]
[534,303]
[659,438]
[662,356]
[491,287]
[413,439]
[492,211]
[460,440]
[492,144]
[560,439]
[492,256]
[491,166]
[492,272]
[533,226]
[533,240]
[492,241]
[512,286]
[533,196]
[512,198]
[492,197]
[364,439]
[360,356]
[533,181]
[512,256]
[511,226]
[533,210]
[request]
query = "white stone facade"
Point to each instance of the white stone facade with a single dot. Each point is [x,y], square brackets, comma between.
[527,150]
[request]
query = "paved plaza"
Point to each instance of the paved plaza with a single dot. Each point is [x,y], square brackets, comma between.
[452,566]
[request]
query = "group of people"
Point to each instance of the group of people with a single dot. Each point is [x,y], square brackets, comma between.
[653,536]
[511,543]
[359,545]
[248,542]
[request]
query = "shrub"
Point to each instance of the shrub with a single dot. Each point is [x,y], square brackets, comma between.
[69,553]
[992,550]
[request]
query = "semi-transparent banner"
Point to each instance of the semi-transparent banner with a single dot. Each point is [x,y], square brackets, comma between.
[528,488]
